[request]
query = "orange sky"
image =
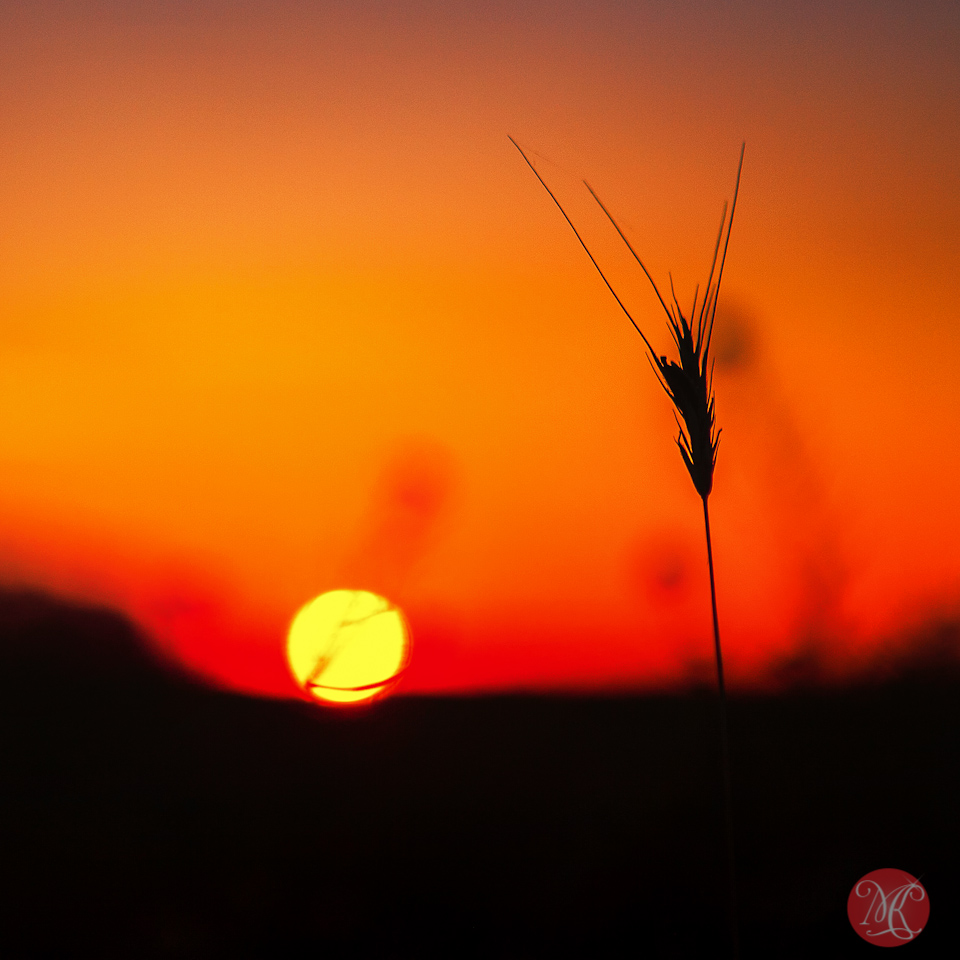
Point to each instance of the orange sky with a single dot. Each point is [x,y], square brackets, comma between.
[283,311]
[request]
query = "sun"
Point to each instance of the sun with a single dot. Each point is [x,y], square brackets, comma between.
[346,646]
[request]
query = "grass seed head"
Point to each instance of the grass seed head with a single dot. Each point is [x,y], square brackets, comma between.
[689,383]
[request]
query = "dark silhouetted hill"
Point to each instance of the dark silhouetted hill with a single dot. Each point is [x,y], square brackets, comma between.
[146,816]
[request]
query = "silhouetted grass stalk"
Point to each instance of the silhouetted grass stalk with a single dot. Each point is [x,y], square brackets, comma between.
[690,387]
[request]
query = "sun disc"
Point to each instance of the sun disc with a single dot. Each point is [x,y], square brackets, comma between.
[346,646]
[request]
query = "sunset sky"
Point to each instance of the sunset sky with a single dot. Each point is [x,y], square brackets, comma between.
[283,311]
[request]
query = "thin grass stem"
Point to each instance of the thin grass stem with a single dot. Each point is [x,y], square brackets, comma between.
[724,753]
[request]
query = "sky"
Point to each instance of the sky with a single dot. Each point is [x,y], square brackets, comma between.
[284,311]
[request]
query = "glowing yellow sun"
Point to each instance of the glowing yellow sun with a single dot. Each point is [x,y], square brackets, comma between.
[347,645]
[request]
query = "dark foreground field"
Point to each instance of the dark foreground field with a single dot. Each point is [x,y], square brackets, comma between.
[145,817]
